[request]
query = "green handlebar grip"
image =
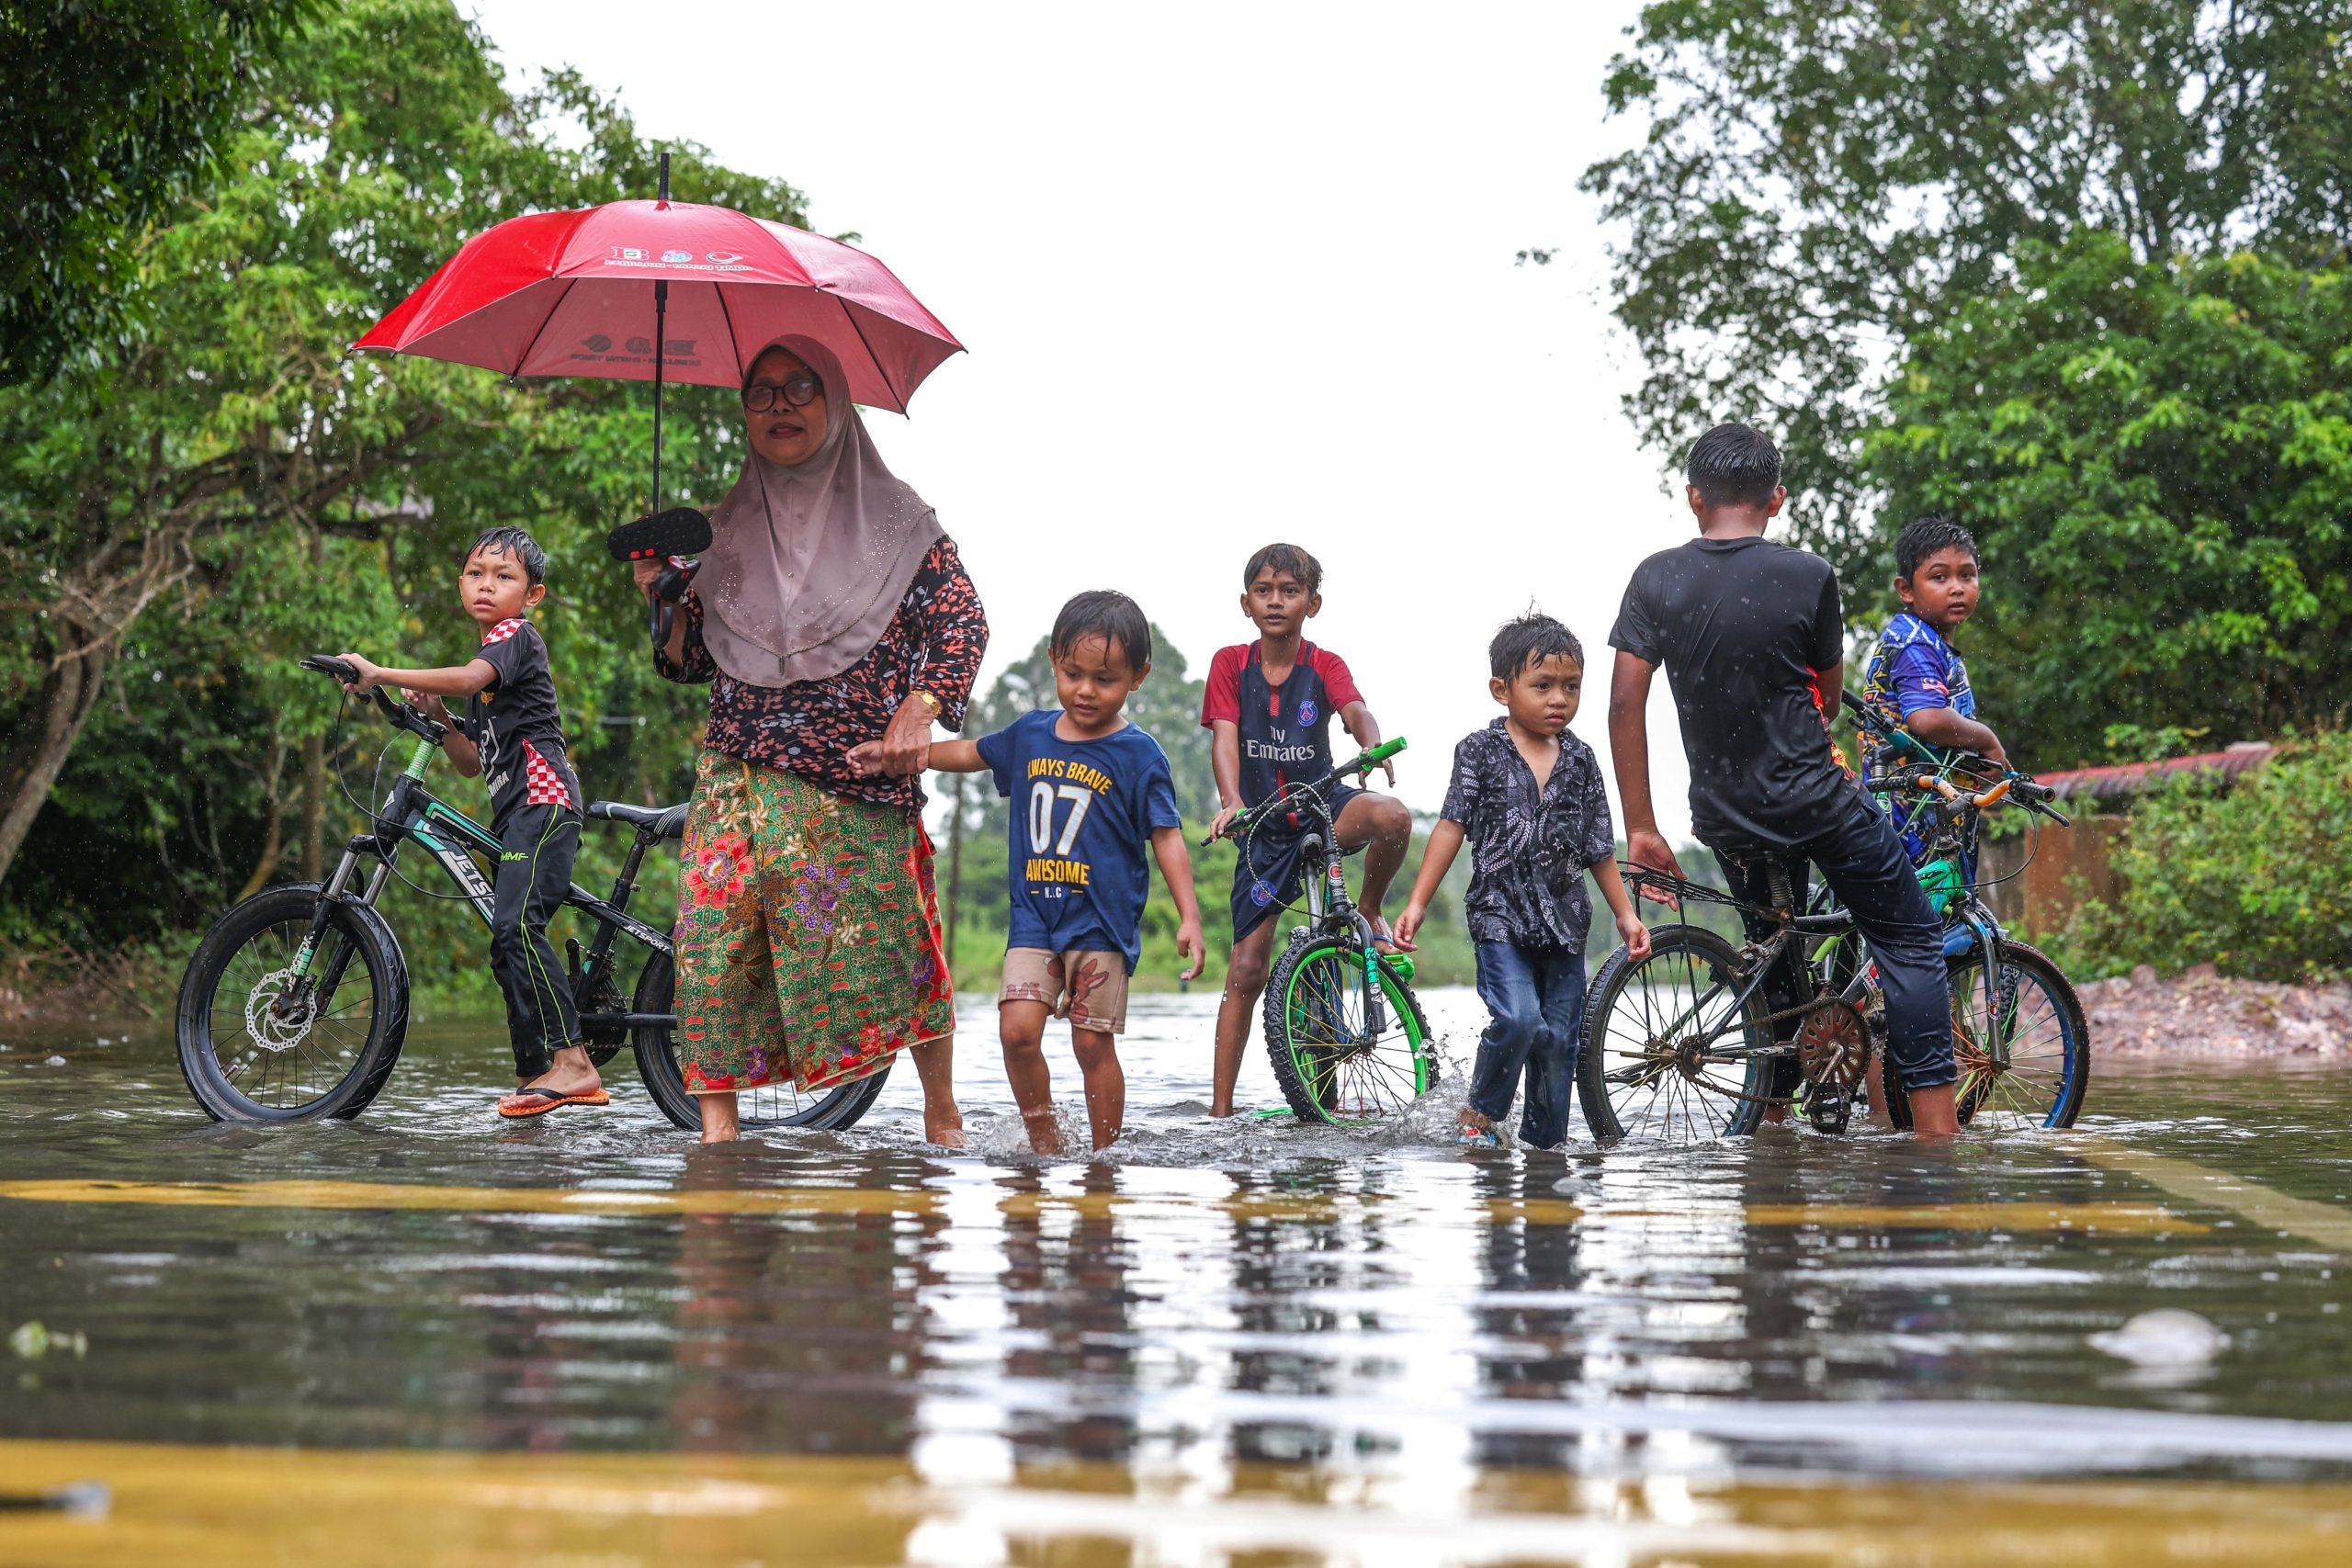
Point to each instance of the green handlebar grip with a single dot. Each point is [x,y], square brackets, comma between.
[1382,752]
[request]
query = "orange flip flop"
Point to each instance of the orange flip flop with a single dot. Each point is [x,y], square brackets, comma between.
[550,1100]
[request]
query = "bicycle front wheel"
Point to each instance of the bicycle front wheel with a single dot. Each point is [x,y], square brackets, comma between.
[1671,1052]
[2023,1046]
[1343,1054]
[768,1105]
[247,1056]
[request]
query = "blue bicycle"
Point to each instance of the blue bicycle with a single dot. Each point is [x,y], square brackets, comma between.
[1685,1044]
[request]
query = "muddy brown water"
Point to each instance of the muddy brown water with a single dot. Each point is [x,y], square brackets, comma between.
[429,1337]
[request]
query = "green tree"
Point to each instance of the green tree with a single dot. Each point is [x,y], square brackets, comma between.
[1822,184]
[2156,457]
[183,518]
[2193,893]
[110,111]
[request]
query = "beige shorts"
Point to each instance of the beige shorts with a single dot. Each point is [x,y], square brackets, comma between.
[1088,988]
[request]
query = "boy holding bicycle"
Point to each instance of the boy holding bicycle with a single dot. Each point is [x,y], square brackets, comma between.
[1092,793]
[511,729]
[1753,638]
[1528,797]
[1269,707]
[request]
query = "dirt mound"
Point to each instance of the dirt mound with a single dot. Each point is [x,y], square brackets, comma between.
[2203,1014]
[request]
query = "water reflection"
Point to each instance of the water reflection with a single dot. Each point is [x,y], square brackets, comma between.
[1252,1308]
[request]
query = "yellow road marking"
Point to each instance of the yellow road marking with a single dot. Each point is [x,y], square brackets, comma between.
[477,1199]
[2131,1218]
[2322,1222]
[226,1508]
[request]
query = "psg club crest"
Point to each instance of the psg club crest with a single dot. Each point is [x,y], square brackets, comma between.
[1261,892]
[1306,711]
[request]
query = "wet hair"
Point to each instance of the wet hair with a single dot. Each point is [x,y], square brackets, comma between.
[516,543]
[1522,644]
[1287,558]
[1925,536]
[1735,465]
[1110,616]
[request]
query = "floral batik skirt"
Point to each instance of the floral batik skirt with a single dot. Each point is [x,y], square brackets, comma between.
[808,936]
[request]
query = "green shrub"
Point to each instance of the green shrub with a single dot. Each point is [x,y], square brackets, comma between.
[2251,879]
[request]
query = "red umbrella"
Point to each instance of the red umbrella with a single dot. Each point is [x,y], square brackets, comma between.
[656,291]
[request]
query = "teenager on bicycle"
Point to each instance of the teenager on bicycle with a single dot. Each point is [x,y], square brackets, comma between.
[1752,637]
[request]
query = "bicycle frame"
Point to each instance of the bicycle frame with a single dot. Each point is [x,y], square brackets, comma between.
[1329,907]
[412,813]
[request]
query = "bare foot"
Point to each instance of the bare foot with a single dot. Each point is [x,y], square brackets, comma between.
[1045,1133]
[718,1118]
[947,1137]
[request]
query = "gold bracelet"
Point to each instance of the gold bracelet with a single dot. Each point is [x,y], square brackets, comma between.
[931,702]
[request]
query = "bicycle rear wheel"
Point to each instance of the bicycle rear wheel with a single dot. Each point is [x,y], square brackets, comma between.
[1656,1033]
[769,1105]
[244,1060]
[1334,1066]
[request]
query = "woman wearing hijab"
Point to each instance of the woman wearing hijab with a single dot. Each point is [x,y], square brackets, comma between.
[830,610]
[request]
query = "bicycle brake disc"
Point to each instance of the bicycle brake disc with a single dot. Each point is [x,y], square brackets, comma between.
[265,1025]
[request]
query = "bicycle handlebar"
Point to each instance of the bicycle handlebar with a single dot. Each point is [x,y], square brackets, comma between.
[2022,788]
[401,714]
[1362,763]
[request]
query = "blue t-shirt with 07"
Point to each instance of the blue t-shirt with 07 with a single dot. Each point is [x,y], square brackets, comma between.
[1083,812]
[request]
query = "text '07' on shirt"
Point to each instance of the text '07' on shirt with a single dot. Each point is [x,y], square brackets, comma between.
[1742,626]
[518,726]
[1083,813]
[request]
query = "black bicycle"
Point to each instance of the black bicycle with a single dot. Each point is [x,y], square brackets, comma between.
[1349,1043]
[1682,1044]
[296,1004]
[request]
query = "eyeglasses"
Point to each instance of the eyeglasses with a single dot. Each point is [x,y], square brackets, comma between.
[797,390]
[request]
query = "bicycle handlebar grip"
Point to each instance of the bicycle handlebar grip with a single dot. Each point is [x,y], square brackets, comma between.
[681,531]
[328,664]
[1376,755]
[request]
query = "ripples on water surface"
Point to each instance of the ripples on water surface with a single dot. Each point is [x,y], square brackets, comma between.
[582,1339]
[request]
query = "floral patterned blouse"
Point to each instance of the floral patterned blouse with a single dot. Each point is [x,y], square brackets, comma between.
[934,644]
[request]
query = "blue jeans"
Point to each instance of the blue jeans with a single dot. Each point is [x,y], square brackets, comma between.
[1536,998]
[1861,858]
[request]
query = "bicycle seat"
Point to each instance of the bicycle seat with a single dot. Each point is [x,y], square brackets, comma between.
[662,821]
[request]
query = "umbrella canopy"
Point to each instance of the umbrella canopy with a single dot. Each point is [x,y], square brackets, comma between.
[575,294]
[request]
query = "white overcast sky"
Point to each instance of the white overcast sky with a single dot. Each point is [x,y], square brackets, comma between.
[1228,274]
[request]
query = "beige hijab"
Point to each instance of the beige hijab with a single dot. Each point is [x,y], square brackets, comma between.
[809,561]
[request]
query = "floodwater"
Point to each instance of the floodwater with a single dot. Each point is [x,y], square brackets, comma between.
[430,1338]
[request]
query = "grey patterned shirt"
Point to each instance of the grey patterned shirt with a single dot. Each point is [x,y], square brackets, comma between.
[1529,851]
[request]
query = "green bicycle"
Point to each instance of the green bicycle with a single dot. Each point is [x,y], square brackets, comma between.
[1350,1044]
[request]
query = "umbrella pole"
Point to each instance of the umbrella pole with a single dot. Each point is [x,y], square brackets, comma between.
[660,308]
[661,311]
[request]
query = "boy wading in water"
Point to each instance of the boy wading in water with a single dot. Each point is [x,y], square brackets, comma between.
[1092,794]
[1528,797]
[513,730]
[1752,638]
[1268,707]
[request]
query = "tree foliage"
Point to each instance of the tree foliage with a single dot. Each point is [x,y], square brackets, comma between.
[110,111]
[1822,184]
[2156,457]
[183,519]
[2193,894]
